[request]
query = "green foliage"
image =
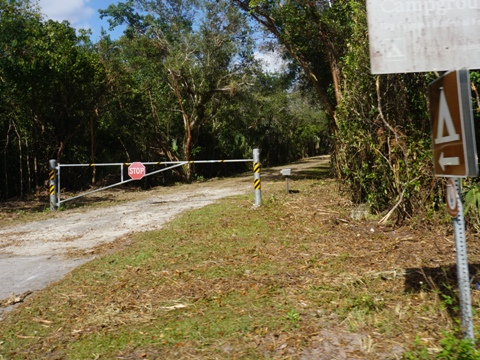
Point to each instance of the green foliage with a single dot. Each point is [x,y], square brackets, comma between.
[452,348]
[293,317]
[379,125]
[183,83]
[383,149]
[419,352]
[50,82]
[471,203]
[187,75]
[166,90]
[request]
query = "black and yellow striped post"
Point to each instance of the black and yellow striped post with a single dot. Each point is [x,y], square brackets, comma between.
[256,177]
[52,182]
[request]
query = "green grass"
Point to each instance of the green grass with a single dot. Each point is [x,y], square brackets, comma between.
[232,282]
[118,298]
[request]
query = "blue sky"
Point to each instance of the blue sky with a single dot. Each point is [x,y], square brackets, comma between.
[80,14]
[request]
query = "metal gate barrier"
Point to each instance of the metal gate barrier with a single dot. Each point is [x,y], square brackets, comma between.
[55,176]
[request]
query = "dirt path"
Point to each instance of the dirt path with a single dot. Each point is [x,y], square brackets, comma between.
[36,253]
[79,232]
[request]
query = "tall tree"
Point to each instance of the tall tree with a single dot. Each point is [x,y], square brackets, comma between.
[18,21]
[379,125]
[315,34]
[202,62]
[51,80]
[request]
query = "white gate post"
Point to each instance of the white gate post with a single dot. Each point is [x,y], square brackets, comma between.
[256,177]
[52,183]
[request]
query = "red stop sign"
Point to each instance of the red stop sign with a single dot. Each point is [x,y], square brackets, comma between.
[136,170]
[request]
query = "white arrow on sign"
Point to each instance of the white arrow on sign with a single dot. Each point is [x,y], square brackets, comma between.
[448,161]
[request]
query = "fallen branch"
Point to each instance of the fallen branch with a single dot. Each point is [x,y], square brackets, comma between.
[386,217]
[13,299]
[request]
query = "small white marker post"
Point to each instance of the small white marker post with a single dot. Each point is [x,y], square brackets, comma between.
[287,173]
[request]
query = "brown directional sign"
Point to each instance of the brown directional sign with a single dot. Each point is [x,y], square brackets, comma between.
[453,133]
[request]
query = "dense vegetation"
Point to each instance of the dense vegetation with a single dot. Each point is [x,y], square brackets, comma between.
[170,88]
[380,124]
[183,83]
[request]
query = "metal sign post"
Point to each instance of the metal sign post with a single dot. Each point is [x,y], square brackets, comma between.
[462,263]
[287,173]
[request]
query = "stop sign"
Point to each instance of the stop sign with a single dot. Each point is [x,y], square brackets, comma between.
[136,170]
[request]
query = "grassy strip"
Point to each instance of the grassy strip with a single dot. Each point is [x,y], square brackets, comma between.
[291,278]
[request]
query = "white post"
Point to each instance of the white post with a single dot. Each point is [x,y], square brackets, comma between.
[52,183]
[256,177]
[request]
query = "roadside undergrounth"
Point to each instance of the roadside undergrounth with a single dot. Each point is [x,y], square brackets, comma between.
[300,277]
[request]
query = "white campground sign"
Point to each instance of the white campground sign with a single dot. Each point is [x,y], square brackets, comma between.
[423,35]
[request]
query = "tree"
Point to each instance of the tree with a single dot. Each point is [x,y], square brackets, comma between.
[201,67]
[182,82]
[315,35]
[18,20]
[378,125]
[51,80]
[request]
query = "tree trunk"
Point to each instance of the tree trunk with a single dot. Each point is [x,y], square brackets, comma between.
[5,161]
[29,173]
[187,144]
[187,148]
[20,158]
[93,119]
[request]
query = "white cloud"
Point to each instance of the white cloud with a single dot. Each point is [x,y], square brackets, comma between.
[75,11]
[271,61]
